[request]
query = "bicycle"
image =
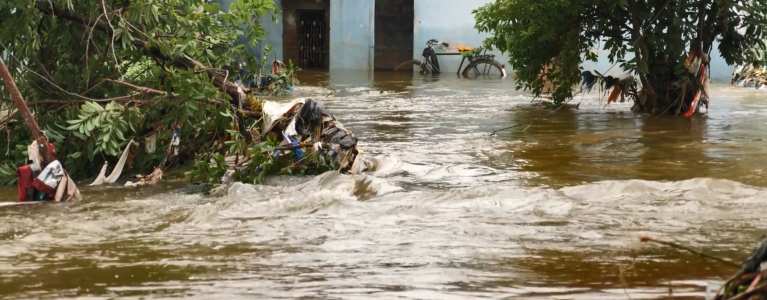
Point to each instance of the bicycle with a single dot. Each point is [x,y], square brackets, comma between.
[479,64]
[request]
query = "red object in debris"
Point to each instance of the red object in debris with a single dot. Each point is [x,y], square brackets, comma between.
[52,151]
[42,187]
[26,177]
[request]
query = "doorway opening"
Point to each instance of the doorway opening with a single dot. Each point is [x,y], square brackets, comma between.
[312,49]
[393,33]
[306,33]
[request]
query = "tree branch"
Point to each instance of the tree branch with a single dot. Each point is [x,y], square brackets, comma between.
[146,90]
[182,61]
[9,117]
[126,99]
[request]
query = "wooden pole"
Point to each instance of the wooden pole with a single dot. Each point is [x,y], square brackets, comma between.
[42,142]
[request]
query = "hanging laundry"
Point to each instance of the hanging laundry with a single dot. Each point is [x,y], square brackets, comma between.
[588,80]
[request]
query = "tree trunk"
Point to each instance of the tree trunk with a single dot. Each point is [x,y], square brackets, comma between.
[642,56]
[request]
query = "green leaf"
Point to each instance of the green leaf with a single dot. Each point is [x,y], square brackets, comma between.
[193,105]
[623,3]
[73,127]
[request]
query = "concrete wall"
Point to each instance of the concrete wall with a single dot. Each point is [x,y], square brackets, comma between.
[352,34]
[449,21]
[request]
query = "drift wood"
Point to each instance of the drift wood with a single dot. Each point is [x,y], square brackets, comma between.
[688,249]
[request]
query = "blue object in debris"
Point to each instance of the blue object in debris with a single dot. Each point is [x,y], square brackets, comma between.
[298,152]
[290,88]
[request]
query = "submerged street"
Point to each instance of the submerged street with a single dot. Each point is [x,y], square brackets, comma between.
[551,212]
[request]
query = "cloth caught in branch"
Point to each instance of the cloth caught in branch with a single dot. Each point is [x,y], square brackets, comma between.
[67,190]
[589,80]
[117,170]
[33,151]
[273,111]
[311,115]
[26,176]
[49,178]
[150,143]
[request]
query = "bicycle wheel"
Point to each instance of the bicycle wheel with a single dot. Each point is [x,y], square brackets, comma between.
[485,68]
[415,64]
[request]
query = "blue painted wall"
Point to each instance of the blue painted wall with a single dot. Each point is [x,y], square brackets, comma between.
[352,34]
[449,21]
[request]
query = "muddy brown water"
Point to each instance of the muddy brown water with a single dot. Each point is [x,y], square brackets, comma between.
[551,212]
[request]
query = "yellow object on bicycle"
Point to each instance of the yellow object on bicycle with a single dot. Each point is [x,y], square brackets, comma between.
[464,48]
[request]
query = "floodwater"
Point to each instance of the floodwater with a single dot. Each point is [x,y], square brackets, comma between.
[549,211]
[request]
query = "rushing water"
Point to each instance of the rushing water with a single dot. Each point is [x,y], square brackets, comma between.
[551,211]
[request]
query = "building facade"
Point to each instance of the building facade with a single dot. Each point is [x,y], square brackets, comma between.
[368,34]
[379,34]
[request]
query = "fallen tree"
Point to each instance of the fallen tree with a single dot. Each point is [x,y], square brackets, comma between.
[101,73]
[655,40]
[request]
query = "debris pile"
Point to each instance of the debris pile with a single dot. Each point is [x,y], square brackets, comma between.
[749,283]
[692,93]
[39,181]
[750,77]
[304,136]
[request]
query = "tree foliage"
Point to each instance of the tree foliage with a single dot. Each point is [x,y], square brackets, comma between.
[649,38]
[98,73]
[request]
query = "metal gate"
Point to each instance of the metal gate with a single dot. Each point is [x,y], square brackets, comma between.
[393,33]
[312,49]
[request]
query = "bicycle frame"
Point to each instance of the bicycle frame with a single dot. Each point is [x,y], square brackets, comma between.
[430,56]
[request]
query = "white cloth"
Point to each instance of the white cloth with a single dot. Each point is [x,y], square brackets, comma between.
[52,174]
[695,65]
[33,152]
[273,111]
[151,143]
[116,172]
[291,129]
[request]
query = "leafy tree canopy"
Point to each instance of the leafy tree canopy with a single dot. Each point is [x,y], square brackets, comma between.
[649,38]
[98,73]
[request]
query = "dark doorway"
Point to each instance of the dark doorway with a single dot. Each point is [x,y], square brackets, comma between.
[306,33]
[393,33]
[312,53]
